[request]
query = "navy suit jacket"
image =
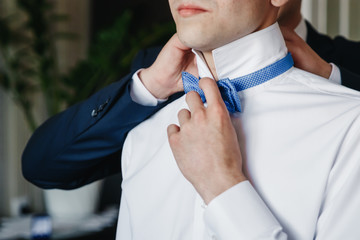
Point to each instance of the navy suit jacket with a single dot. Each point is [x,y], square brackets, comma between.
[84,143]
[344,53]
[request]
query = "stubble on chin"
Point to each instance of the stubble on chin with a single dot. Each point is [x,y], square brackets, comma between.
[196,40]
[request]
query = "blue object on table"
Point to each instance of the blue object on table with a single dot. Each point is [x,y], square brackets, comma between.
[41,227]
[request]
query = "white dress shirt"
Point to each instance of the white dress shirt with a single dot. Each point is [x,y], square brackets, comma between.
[299,136]
[141,95]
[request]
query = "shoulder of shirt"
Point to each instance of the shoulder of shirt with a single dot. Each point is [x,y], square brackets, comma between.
[323,85]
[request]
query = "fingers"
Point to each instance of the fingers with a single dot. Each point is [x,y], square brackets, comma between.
[177,43]
[183,116]
[172,130]
[212,95]
[194,101]
[288,34]
[211,90]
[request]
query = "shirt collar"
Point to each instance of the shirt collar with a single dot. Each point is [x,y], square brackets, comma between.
[245,55]
[301,29]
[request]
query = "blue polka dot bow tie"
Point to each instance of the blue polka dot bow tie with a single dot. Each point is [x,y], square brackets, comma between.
[229,88]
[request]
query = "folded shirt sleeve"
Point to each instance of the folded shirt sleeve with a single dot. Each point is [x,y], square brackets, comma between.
[140,94]
[240,213]
[335,75]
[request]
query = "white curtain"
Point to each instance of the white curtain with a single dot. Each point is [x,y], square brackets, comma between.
[334,17]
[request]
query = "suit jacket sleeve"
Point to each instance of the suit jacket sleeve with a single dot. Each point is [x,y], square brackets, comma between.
[84,143]
[350,79]
[340,51]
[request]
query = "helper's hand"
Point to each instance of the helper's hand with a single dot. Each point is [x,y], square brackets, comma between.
[163,78]
[205,145]
[304,57]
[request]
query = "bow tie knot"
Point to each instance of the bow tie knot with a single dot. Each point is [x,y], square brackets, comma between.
[230,95]
[229,88]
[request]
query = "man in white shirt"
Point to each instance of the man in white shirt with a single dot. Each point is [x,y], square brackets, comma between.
[292,169]
[70,144]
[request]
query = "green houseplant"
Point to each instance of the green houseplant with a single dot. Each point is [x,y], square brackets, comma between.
[28,60]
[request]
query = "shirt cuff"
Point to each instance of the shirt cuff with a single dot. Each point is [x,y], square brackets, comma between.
[240,213]
[335,75]
[140,94]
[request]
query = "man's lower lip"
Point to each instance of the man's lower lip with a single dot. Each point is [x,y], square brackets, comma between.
[188,12]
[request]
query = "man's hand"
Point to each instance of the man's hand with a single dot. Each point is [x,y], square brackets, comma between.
[304,57]
[205,145]
[163,78]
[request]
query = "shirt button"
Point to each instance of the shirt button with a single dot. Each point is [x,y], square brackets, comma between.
[94,113]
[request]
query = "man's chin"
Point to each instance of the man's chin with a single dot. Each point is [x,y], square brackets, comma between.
[195,42]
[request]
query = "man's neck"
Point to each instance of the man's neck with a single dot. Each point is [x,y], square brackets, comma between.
[292,21]
[302,30]
[209,60]
[243,56]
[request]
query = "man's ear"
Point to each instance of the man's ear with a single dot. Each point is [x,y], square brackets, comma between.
[278,3]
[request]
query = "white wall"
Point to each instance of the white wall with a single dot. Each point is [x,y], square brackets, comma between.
[14,137]
[13,130]
[3,165]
